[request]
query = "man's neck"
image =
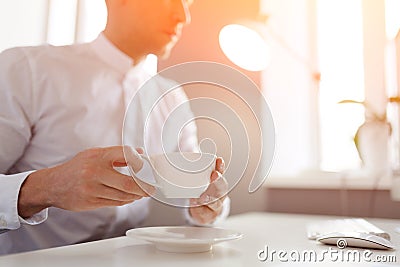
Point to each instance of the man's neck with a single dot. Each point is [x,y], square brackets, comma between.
[121,45]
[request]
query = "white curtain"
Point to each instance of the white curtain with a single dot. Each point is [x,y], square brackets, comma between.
[75,20]
[23,22]
[57,22]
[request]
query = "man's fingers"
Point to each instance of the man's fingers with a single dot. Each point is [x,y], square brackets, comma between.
[149,189]
[216,205]
[214,176]
[120,156]
[220,165]
[113,154]
[106,192]
[203,214]
[133,158]
[122,182]
[217,189]
[102,202]
[218,184]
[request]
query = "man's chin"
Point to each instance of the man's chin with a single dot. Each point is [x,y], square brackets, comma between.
[166,52]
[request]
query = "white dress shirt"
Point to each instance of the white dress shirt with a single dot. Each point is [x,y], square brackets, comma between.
[56,102]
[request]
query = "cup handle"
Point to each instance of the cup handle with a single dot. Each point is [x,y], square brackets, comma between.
[146,172]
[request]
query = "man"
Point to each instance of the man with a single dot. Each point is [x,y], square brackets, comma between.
[61,119]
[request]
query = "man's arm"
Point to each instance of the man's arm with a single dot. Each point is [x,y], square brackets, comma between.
[88,181]
[16,117]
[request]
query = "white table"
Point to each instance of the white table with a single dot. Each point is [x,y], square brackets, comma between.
[284,232]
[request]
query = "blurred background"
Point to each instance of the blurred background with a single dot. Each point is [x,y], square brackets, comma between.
[315,54]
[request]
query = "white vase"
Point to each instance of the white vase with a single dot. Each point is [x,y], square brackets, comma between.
[372,139]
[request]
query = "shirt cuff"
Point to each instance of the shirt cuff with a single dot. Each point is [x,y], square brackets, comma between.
[226,206]
[9,217]
[36,218]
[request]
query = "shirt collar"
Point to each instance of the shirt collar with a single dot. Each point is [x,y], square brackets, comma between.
[111,54]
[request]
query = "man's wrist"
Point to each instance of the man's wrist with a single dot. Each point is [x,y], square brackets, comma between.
[33,196]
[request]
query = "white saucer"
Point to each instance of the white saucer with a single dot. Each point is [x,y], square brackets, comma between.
[183,239]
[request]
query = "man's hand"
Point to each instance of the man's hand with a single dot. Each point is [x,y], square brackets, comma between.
[88,181]
[212,198]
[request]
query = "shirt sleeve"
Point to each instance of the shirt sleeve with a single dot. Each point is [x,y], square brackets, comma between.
[224,214]
[9,218]
[16,107]
[15,132]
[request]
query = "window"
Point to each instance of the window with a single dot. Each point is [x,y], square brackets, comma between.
[61,25]
[22,26]
[346,41]
[57,22]
[392,78]
[340,45]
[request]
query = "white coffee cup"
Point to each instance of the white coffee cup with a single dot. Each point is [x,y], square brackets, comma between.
[178,174]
